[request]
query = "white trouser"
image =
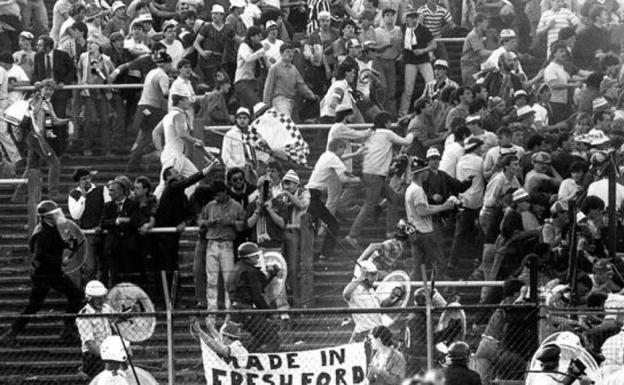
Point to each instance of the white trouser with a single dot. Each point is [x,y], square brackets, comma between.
[180,163]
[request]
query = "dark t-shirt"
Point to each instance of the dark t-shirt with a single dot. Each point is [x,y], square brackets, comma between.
[214,40]
[273,231]
[423,38]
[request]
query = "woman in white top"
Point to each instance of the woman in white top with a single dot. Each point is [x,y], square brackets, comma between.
[570,187]
[249,67]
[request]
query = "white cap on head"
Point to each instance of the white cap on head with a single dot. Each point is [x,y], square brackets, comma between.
[217,8]
[270,24]
[507,34]
[519,195]
[95,289]
[244,111]
[324,15]
[291,176]
[117,5]
[441,63]
[368,267]
[433,153]
[237,3]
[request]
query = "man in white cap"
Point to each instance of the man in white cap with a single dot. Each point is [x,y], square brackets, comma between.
[118,369]
[509,44]
[489,139]
[210,45]
[235,151]
[47,244]
[272,55]
[425,244]
[93,330]
[118,21]
[441,81]
[174,46]
[314,49]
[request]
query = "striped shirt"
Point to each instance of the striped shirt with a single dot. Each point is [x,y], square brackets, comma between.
[435,19]
[563,18]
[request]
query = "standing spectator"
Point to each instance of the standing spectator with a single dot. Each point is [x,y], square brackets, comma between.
[284,82]
[137,42]
[53,64]
[235,150]
[434,88]
[86,206]
[174,46]
[457,372]
[47,247]
[148,204]
[151,109]
[553,20]
[426,247]
[339,93]
[16,77]
[494,154]
[120,219]
[489,139]
[213,108]
[173,211]
[235,33]
[543,177]
[95,68]
[210,45]
[76,13]
[474,52]
[509,45]
[469,166]
[25,57]
[463,99]
[119,56]
[417,44]
[273,55]
[118,22]
[360,294]
[238,187]
[249,58]
[375,167]
[455,150]
[560,82]
[60,13]
[43,121]
[436,18]
[564,155]
[316,53]
[503,82]
[593,42]
[76,45]
[388,38]
[266,216]
[327,167]
[296,200]
[222,218]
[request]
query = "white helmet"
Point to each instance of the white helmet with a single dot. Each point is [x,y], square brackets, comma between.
[112,349]
[368,267]
[95,289]
[568,338]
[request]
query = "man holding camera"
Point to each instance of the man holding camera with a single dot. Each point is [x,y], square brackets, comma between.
[266,217]
[222,218]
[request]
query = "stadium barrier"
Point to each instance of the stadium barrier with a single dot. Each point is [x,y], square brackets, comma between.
[164,344]
[33,181]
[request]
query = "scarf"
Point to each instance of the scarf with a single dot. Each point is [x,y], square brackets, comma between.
[262,234]
[410,40]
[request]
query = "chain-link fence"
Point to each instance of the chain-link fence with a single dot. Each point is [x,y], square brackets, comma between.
[296,343]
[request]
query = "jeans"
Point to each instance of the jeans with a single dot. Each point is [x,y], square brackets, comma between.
[465,235]
[219,260]
[386,97]
[93,250]
[291,253]
[35,9]
[411,71]
[96,121]
[118,107]
[376,187]
[41,153]
[199,271]
[318,211]
[426,250]
[283,105]
[145,119]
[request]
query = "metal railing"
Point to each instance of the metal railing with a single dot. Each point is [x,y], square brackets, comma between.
[33,182]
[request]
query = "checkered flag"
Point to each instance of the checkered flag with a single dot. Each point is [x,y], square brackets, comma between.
[273,131]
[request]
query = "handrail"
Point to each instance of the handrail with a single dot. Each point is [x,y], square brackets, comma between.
[155,230]
[454,283]
[13,181]
[301,127]
[86,87]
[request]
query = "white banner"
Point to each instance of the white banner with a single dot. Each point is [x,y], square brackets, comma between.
[339,365]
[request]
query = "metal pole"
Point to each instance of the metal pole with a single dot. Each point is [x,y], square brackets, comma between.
[573,260]
[454,283]
[163,277]
[612,208]
[429,320]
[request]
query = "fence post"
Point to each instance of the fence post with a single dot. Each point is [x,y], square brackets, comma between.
[170,359]
[305,282]
[429,318]
[34,196]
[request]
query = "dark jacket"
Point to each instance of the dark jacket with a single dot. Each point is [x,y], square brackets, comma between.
[247,284]
[458,374]
[63,68]
[47,248]
[123,236]
[588,41]
[561,161]
[423,38]
[494,82]
[173,208]
[443,184]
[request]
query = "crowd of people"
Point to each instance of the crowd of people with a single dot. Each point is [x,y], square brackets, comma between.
[493,167]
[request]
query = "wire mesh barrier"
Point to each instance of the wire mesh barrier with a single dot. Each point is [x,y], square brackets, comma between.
[291,346]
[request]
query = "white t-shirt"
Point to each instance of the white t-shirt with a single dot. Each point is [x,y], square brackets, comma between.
[252,12]
[273,56]
[134,45]
[563,18]
[365,298]
[555,74]
[181,86]
[379,151]
[155,87]
[471,165]
[567,189]
[339,90]
[364,77]
[415,196]
[175,50]
[541,114]
[174,145]
[601,190]
[451,155]
[328,165]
